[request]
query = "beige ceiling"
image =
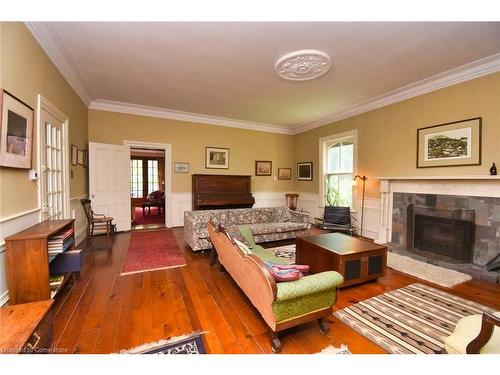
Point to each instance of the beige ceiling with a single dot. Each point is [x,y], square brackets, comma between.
[227,69]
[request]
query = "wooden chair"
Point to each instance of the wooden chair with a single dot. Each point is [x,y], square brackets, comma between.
[97,221]
[154,199]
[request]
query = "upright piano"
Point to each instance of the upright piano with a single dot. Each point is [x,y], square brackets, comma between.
[211,191]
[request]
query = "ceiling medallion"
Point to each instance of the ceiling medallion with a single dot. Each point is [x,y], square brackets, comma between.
[303,65]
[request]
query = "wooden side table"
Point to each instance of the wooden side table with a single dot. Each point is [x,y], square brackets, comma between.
[26,328]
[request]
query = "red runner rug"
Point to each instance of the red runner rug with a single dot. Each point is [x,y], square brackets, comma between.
[149,218]
[150,251]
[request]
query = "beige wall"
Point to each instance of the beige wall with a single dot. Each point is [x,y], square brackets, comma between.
[189,140]
[26,71]
[387,136]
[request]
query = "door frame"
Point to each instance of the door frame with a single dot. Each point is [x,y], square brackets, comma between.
[168,211]
[43,104]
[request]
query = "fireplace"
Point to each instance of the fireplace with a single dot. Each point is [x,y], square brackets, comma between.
[443,233]
[469,198]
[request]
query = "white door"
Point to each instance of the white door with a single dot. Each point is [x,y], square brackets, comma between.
[109,188]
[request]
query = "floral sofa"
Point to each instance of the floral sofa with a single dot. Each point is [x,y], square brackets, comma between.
[267,224]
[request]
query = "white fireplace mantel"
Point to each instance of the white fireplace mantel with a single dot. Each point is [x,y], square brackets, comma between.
[474,186]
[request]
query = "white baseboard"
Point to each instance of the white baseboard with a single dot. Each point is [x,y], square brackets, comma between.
[310,203]
[78,214]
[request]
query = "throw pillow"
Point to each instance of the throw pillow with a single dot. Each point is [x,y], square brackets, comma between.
[304,268]
[282,275]
[244,248]
[234,234]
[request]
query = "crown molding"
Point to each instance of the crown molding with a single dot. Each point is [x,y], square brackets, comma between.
[475,69]
[142,110]
[49,42]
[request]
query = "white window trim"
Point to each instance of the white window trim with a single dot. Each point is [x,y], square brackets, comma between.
[351,135]
[46,105]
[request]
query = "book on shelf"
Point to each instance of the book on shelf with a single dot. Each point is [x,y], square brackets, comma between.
[55,281]
[53,249]
[60,237]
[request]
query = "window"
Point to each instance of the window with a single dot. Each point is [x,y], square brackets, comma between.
[152,175]
[144,176]
[337,166]
[136,187]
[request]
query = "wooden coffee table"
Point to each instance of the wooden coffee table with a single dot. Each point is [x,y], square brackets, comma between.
[356,260]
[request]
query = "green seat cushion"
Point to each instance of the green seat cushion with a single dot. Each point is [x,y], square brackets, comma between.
[257,250]
[310,293]
[467,330]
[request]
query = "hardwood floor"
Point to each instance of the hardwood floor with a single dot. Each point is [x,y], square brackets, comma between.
[104,312]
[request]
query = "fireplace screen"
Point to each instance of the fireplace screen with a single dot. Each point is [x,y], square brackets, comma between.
[445,233]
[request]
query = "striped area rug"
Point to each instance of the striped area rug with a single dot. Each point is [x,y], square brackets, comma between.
[414,319]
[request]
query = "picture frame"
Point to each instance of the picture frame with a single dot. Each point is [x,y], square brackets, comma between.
[216,158]
[263,168]
[181,167]
[16,132]
[284,173]
[74,152]
[305,171]
[451,144]
[80,157]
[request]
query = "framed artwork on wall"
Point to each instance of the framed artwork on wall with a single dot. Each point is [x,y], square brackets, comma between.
[16,132]
[284,173]
[81,157]
[216,158]
[74,152]
[263,168]
[305,171]
[181,167]
[451,144]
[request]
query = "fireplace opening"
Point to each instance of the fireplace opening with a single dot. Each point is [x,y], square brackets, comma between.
[449,233]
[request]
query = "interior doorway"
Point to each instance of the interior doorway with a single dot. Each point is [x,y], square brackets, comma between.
[147,188]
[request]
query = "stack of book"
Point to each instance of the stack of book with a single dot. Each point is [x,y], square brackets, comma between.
[60,242]
[55,281]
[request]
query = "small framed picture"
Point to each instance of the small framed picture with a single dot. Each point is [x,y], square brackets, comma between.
[452,144]
[180,167]
[74,152]
[284,173]
[263,168]
[216,158]
[80,157]
[16,132]
[305,171]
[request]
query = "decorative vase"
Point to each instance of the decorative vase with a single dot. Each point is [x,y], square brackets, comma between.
[493,170]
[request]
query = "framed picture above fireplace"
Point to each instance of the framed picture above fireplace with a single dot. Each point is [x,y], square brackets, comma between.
[451,144]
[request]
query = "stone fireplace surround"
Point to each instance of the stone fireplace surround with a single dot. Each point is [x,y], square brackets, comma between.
[478,193]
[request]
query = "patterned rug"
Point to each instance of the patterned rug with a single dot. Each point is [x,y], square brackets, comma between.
[413,319]
[286,252]
[151,251]
[187,344]
[150,217]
